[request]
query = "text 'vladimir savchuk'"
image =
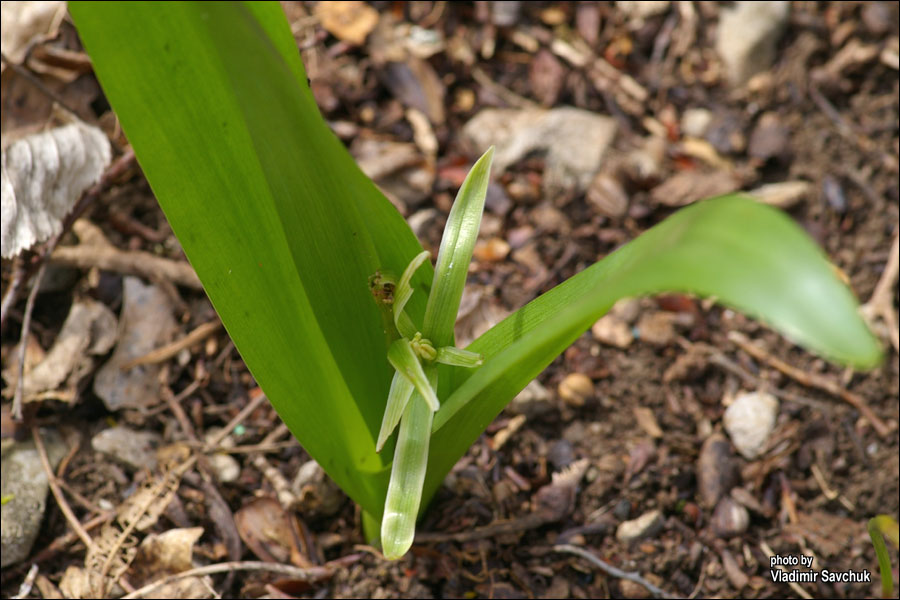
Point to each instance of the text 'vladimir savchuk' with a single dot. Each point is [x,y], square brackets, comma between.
[780,574]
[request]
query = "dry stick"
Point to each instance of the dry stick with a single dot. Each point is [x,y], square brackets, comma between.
[57,493]
[26,586]
[881,303]
[812,380]
[238,418]
[145,264]
[113,172]
[307,574]
[611,570]
[67,538]
[517,525]
[166,352]
[26,325]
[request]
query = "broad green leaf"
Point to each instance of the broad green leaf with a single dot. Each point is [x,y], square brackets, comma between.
[453,258]
[280,224]
[747,255]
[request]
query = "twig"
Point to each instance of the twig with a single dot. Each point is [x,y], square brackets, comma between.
[505,94]
[67,538]
[308,574]
[27,584]
[137,262]
[881,303]
[611,570]
[166,352]
[174,403]
[74,523]
[524,523]
[238,418]
[812,380]
[23,343]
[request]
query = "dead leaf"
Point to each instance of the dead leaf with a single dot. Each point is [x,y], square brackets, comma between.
[348,21]
[43,177]
[89,329]
[146,324]
[25,23]
[164,554]
[686,187]
[270,532]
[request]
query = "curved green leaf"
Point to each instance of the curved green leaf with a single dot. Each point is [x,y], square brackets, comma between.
[749,256]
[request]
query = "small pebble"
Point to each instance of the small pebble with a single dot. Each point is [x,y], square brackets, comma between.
[730,518]
[225,467]
[749,421]
[716,470]
[645,526]
[576,388]
[134,449]
[612,331]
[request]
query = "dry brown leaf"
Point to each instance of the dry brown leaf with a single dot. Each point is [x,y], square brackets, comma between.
[348,21]
[43,176]
[163,554]
[24,23]
[89,329]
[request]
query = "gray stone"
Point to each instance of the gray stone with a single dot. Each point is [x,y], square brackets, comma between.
[24,483]
[134,449]
[748,36]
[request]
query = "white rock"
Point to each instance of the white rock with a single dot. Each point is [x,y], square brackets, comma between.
[747,37]
[225,467]
[646,525]
[749,421]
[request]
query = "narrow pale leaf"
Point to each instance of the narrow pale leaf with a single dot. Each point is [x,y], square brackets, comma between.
[403,358]
[404,291]
[404,496]
[455,357]
[455,254]
[401,391]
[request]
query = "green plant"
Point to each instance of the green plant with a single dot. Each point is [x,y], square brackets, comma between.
[285,232]
[880,527]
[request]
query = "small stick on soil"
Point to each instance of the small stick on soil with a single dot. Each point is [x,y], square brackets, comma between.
[60,543]
[163,353]
[23,344]
[238,418]
[308,574]
[518,525]
[812,380]
[881,303]
[611,570]
[28,583]
[136,262]
[74,523]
